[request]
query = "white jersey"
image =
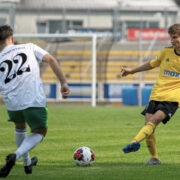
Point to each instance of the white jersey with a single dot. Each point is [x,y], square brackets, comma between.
[20,82]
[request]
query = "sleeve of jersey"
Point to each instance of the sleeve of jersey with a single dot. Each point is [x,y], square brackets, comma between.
[39,52]
[156,62]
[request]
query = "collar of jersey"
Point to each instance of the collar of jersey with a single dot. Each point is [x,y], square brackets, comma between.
[6,47]
[176,53]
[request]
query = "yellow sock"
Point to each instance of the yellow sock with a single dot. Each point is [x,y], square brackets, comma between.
[145,132]
[151,144]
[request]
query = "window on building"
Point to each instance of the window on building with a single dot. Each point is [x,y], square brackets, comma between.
[141,24]
[58,26]
[41,27]
[153,24]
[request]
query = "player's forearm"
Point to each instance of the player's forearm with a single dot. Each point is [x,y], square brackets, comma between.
[58,71]
[55,67]
[144,67]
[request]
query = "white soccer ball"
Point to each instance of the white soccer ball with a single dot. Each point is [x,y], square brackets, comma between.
[84,156]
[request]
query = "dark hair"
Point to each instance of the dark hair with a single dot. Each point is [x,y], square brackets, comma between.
[5,32]
[174,29]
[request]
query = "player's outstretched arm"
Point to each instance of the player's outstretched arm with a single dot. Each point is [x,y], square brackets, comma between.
[144,67]
[59,73]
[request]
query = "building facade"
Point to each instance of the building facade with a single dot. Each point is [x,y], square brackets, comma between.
[63,16]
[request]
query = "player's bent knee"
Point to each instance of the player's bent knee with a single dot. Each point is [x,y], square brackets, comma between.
[20,125]
[42,131]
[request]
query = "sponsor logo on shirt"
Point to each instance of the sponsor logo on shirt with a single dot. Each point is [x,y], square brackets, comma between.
[171,73]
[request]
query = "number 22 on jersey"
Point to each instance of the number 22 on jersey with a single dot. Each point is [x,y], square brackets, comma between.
[9,65]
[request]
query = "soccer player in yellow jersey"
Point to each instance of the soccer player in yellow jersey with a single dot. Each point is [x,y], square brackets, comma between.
[165,95]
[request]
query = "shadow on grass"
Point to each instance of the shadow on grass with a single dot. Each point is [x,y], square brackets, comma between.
[65,164]
[99,170]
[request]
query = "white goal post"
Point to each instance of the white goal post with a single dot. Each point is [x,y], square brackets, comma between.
[93,38]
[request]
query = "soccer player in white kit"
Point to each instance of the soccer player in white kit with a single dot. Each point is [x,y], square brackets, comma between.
[23,95]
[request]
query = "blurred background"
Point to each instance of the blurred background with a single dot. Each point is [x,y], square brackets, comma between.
[92,40]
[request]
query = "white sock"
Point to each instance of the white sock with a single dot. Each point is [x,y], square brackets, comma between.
[29,142]
[20,135]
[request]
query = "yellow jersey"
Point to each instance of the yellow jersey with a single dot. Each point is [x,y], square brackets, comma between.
[167,87]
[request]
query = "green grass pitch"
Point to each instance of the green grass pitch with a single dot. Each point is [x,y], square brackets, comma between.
[106,130]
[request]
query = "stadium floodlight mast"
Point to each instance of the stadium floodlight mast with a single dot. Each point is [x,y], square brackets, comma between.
[93,38]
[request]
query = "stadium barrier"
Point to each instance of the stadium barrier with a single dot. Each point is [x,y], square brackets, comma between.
[130,96]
